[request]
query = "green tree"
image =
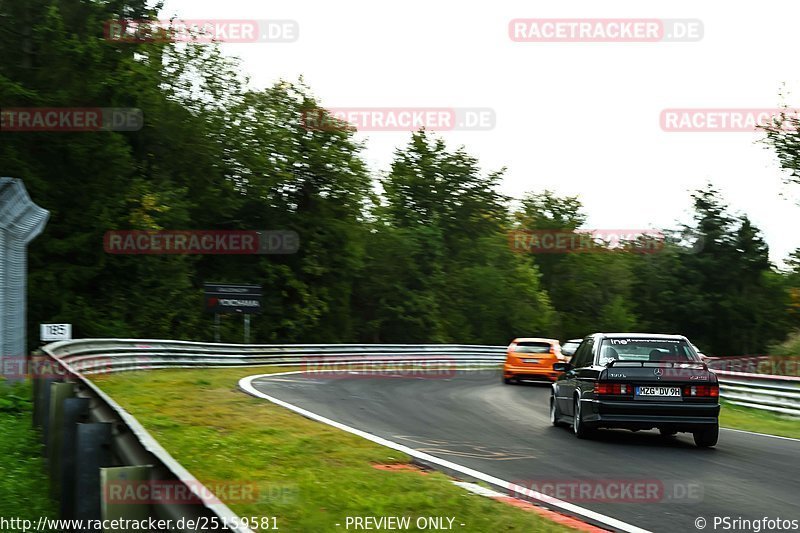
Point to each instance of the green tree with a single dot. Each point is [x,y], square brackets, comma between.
[725,295]
[471,286]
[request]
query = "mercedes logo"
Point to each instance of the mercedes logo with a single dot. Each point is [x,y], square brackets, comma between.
[658,371]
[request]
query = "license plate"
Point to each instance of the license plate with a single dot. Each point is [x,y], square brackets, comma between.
[658,391]
[531,361]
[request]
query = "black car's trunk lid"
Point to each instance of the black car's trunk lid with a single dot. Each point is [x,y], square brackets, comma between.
[658,372]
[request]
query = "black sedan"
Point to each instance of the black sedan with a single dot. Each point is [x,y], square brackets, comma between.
[637,381]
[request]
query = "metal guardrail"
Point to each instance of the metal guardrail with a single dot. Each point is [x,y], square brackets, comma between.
[778,394]
[60,380]
[91,356]
[771,393]
[131,444]
[87,435]
[742,382]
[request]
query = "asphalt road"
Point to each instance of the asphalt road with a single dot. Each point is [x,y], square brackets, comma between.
[474,420]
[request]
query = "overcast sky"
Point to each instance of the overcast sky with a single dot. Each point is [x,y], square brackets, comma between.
[577,117]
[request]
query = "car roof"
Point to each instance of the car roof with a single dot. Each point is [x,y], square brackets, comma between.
[535,339]
[575,340]
[640,336]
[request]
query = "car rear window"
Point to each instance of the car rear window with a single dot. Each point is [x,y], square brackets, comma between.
[533,347]
[647,350]
[570,346]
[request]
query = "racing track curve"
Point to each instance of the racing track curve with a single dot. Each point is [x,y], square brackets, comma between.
[474,420]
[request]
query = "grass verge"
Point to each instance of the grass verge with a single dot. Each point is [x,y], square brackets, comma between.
[736,417]
[311,476]
[23,484]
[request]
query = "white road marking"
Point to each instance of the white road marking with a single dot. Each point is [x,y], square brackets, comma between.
[267,380]
[477,489]
[760,434]
[246,384]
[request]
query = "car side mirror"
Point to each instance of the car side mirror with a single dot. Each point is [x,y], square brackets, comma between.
[562,367]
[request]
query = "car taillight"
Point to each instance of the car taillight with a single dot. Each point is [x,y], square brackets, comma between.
[618,389]
[701,391]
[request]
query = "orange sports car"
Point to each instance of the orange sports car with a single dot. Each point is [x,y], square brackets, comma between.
[532,359]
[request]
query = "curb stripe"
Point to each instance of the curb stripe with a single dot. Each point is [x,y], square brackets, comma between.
[558,518]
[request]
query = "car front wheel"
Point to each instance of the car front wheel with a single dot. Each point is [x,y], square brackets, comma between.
[555,414]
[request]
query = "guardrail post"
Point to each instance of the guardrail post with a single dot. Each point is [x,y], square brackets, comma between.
[58,393]
[43,399]
[93,446]
[75,410]
[115,484]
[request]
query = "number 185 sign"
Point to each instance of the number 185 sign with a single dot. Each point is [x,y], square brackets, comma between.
[55,332]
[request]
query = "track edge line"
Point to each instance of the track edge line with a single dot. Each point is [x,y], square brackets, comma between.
[245,384]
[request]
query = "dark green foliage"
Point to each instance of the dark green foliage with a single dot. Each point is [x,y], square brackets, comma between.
[23,485]
[14,399]
[420,255]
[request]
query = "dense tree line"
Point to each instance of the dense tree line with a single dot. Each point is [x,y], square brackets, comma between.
[420,254]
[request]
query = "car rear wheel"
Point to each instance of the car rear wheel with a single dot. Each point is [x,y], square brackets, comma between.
[705,438]
[578,426]
[509,381]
